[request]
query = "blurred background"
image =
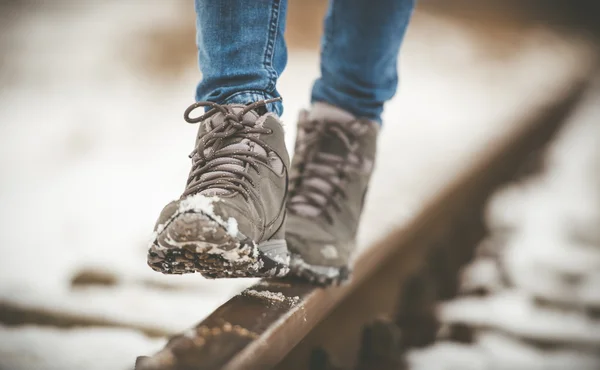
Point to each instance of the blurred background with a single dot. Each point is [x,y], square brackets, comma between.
[92,145]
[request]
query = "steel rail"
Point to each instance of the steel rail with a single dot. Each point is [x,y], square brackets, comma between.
[258,328]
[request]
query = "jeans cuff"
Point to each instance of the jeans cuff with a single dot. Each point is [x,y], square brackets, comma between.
[245,97]
[338,98]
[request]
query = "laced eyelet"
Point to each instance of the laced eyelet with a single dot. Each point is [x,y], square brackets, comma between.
[216,138]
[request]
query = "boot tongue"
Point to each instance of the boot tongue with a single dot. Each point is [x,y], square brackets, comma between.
[224,166]
[326,112]
[329,147]
[218,118]
[323,112]
[333,145]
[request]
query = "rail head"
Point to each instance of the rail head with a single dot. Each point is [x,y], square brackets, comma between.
[257,328]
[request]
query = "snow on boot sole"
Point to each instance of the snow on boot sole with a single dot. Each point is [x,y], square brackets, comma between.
[319,275]
[195,242]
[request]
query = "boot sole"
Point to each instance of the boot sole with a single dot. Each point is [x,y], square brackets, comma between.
[194,242]
[318,274]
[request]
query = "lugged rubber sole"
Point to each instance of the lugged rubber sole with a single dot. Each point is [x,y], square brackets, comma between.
[319,275]
[194,242]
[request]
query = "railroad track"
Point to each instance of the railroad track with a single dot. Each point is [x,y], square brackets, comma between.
[279,323]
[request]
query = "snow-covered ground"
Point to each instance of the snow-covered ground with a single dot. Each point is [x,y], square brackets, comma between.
[91,148]
[544,273]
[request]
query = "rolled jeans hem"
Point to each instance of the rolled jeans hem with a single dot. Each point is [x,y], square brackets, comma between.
[251,96]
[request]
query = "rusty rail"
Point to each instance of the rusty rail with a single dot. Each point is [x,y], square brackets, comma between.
[276,323]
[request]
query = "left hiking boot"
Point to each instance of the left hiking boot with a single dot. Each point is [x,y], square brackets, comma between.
[229,221]
[332,164]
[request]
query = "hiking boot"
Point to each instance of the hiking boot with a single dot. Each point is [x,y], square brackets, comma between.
[229,222]
[331,168]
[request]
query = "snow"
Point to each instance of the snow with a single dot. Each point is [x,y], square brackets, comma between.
[516,313]
[329,252]
[92,146]
[27,348]
[508,353]
[447,356]
[322,271]
[265,294]
[200,203]
[232,227]
[483,273]
[548,248]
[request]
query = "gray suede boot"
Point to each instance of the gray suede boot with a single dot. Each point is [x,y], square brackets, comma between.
[331,168]
[229,222]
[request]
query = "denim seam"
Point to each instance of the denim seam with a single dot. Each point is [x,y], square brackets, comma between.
[269,51]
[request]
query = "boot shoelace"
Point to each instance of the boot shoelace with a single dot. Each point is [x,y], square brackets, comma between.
[217,162]
[320,175]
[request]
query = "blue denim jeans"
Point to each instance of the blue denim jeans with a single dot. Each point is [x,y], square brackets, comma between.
[242,52]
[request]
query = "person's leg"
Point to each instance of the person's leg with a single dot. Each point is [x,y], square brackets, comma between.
[241,50]
[359,54]
[336,142]
[229,221]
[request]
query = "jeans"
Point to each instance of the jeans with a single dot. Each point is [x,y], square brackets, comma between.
[242,52]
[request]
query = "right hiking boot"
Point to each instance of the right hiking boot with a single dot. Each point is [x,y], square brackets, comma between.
[229,221]
[330,173]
